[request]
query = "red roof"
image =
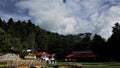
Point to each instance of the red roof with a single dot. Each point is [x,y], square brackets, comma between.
[44,54]
[41,53]
[81,55]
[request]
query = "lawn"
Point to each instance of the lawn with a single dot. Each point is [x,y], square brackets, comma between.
[3,64]
[84,64]
[89,64]
[101,66]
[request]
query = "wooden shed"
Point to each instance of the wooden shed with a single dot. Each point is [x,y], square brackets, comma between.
[14,61]
[81,56]
[27,63]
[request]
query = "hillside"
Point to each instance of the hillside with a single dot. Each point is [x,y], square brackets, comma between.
[19,36]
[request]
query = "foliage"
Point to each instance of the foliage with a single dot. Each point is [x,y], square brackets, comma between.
[19,36]
[113,43]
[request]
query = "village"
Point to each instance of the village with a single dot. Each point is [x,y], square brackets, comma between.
[59,33]
[40,60]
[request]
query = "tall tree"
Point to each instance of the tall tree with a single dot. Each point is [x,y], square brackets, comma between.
[113,43]
[7,42]
[10,21]
[31,41]
[2,36]
[98,44]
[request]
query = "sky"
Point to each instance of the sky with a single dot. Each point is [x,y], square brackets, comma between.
[65,16]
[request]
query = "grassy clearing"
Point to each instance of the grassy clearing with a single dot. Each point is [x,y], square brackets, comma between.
[84,64]
[89,64]
[101,66]
[3,64]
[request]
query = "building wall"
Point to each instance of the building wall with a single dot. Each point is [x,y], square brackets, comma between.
[29,67]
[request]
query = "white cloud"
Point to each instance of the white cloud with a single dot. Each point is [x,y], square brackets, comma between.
[74,16]
[103,22]
[6,16]
[68,26]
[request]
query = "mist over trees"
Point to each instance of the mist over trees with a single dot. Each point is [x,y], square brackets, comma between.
[22,35]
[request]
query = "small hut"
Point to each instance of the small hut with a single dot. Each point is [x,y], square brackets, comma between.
[9,56]
[13,61]
[49,58]
[81,56]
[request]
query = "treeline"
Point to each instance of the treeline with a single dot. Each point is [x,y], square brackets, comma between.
[19,36]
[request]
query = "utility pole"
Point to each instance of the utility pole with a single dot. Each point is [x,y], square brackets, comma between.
[64,1]
[31,41]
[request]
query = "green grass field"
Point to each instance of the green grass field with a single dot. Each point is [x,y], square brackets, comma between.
[84,64]
[101,66]
[89,64]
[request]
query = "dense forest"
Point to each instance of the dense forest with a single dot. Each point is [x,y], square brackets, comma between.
[19,36]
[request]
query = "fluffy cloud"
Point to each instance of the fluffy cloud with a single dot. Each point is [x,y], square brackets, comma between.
[9,10]
[6,16]
[74,16]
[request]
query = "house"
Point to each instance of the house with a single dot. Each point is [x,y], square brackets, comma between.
[30,56]
[49,58]
[81,56]
[14,61]
[9,56]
